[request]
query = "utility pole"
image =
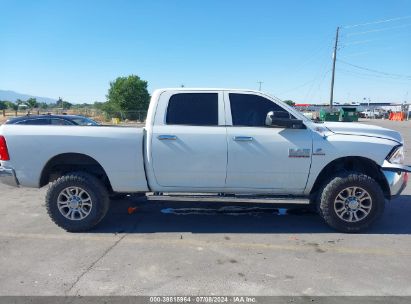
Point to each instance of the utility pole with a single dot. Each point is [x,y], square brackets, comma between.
[260,82]
[333,74]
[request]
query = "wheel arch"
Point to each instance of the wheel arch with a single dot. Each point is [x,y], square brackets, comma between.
[352,163]
[64,163]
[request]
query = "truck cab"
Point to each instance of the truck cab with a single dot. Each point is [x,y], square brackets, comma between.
[219,141]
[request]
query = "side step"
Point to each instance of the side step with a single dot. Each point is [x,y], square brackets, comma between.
[260,199]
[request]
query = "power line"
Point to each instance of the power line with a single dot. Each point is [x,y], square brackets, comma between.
[378,30]
[359,42]
[356,54]
[299,86]
[375,71]
[376,22]
[372,75]
[313,57]
[314,91]
[319,78]
[385,40]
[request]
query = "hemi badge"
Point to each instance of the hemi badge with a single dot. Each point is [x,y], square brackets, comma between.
[299,153]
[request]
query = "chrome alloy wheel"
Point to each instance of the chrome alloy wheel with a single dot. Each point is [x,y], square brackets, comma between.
[353,204]
[74,203]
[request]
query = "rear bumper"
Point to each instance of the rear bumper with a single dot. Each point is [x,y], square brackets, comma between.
[8,177]
[396,176]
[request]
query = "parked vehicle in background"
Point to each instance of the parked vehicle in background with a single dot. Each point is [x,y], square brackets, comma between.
[371,114]
[58,120]
[219,141]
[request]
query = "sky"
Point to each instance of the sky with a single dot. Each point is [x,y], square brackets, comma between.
[74,49]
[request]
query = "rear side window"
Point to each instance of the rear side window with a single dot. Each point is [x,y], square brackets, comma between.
[195,109]
[251,110]
[60,122]
[38,121]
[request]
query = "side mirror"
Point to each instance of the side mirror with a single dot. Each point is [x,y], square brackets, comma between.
[283,119]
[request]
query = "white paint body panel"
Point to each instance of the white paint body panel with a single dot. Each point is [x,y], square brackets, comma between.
[197,158]
[264,162]
[335,146]
[118,150]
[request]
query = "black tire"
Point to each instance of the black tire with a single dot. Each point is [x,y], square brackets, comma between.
[342,181]
[96,191]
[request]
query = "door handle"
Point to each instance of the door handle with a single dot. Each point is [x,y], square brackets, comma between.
[243,138]
[167,137]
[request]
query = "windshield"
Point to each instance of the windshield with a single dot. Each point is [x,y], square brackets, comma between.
[84,121]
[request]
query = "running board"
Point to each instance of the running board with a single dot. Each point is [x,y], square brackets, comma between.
[260,199]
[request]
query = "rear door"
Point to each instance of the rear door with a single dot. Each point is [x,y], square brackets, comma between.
[189,147]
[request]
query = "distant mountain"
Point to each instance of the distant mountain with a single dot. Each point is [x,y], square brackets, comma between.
[13,96]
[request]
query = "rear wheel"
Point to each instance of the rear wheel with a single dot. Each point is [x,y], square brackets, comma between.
[351,202]
[77,201]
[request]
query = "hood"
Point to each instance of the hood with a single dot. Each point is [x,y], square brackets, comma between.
[363,130]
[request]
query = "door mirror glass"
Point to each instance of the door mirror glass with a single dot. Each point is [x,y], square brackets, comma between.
[283,119]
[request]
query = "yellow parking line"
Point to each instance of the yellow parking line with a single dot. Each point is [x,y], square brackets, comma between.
[134,239]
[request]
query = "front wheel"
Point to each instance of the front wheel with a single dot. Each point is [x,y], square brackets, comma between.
[77,201]
[351,202]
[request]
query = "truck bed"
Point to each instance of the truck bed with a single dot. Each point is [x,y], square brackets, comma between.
[119,150]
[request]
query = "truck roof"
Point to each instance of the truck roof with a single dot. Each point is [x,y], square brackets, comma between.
[158,91]
[209,89]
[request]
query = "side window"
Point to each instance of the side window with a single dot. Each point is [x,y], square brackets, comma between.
[195,109]
[251,110]
[60,122]
[38,121]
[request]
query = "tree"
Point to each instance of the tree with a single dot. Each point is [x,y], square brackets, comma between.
[43,105]
[82,106]
[59,102]
[127,94]
[98,105]
[3,105]
[32,103]
[290,102]
[11,105]
[66,105]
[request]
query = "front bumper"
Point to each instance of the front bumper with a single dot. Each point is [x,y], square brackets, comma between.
[8,177]
[396,176]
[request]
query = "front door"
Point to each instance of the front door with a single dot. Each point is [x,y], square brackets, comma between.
[261,158]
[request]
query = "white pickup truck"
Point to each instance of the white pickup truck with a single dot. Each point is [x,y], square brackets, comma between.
[236,142]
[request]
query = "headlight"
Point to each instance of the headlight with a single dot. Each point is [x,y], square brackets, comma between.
[397,155]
